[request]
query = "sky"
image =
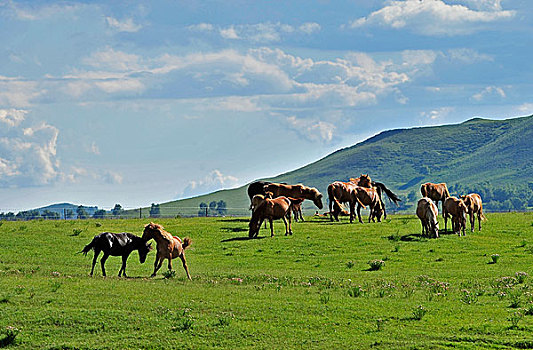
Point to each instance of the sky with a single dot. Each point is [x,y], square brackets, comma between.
[140,102]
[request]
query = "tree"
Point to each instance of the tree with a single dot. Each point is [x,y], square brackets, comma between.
[222,208]
[69,213]
[99,214]
[50,215]
[82,213]
[117,210]
[213,207]
[155,211]
[203,209]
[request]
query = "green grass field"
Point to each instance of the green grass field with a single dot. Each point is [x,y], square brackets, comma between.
[314,289]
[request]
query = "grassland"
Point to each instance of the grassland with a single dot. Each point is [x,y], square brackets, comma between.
[314,289]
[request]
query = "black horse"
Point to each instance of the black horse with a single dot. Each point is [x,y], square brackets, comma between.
[257,187]
[117,244]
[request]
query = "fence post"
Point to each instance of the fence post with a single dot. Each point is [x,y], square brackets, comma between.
[205,211]
[140,213]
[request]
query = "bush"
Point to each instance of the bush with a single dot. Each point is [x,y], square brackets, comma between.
[376,264]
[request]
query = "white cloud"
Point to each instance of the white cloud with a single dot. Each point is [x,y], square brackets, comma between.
[28,153]
[526,108]
[114,60]
[259,32]
[489,92]
[312,130]
[436,116]
[435,17]
[212,182]
[111,177]
[125,25]
[12,117]
[30,12]
[19,93]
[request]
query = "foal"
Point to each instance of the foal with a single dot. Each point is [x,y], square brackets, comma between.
[117,244]
[168,246]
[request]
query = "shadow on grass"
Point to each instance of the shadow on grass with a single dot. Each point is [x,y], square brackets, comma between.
[241,239]
[234,220]
[234,229]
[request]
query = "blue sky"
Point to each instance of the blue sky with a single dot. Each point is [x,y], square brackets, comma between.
[140,102]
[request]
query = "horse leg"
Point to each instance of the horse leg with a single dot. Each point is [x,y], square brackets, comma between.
[472,218]
[169,261]
[271,227]
[479,219]
[157,264]
[96,253]
[182,257]
[359,213]
[123,268]
[102,262]
[330,210]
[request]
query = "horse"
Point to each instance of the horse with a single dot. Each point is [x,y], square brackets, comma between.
[455,208]
[365,196]
[427,212]
[258,198]
[117,244]
[297,208]
[436,192]
[271,209]
[338,192]
[295,191]
[474,205]
[168,246]
[256,187]
[366,181]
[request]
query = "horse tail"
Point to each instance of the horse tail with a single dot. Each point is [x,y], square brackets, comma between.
[186,243]
[392,197]
[446,192]
[89,246]
[423,190]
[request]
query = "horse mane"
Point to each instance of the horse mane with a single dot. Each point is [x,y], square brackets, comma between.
[160,229]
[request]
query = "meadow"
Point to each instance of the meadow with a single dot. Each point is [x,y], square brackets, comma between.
[330,285]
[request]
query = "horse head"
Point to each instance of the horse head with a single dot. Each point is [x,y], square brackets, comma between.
[317,198]
[150,231]
[143,251]
[365,181]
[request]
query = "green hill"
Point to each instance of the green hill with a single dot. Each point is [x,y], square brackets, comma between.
[491,157]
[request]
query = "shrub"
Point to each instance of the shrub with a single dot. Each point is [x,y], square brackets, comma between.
[419,312]
[521,276]
[356,291]
[169,274]
[376,264]
[10,333]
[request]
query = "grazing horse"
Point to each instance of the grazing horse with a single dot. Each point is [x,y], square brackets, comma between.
[365,196]
[437,192]
[295,191]
[427,212]
[117,244]
[365,181]
[455,208]
[258,198]
[474,205]
[270,209]
[168,246]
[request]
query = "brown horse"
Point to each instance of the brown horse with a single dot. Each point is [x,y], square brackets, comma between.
[271,209]
[258,198]
[365,196]
[436,192]
[365,181]
[297,208]
[427,212]
[455,208]
[168,246]
[295,191]
[338,192]
[474,205]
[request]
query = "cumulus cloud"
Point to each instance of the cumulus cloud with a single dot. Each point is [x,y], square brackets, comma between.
[214,181]
[125,25]
[436,116]
[258,32]
[435,17]
[28,155]
[312,130]
[489,92]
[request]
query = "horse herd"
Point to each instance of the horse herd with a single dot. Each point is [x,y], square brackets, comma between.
[271,201]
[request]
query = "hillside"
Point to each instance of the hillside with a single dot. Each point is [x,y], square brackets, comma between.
[478,152]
